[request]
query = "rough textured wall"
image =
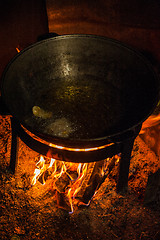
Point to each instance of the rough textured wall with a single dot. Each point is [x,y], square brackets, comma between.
[134,22]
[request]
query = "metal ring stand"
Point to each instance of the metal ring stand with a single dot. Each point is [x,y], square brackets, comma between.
[124,147]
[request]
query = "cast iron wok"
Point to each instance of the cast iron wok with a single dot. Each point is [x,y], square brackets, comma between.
[94,89]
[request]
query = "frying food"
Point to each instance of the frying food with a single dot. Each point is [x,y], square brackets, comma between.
[39,112]
[60,127]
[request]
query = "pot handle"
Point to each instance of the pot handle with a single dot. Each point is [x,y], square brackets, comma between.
[46,36]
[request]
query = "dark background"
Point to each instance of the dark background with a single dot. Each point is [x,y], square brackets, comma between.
[21,21]
[135,22]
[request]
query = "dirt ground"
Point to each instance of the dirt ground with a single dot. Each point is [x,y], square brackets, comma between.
[31,212]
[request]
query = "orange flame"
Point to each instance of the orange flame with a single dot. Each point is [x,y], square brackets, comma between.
[81,170]
[39,170]
[75,173]
[17,49]
[153,120]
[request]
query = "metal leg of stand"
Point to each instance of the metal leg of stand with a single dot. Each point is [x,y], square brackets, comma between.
[122,184]
[14,147]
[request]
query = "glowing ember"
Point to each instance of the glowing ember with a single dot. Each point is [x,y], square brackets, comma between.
[80,149]
[74,183]
[17,49]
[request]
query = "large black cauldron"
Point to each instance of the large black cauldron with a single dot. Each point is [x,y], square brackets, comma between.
[94,90]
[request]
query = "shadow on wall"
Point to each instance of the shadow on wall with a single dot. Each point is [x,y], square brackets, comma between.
[21,22]
[145,14]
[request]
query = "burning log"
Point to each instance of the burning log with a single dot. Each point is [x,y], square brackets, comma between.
[61,183]
[91,184]
[45,175]
[97,176]
[63,202]
[73,183]
[86,179]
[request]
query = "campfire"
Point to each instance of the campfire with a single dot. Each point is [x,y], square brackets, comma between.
[54,192]
[72,183]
